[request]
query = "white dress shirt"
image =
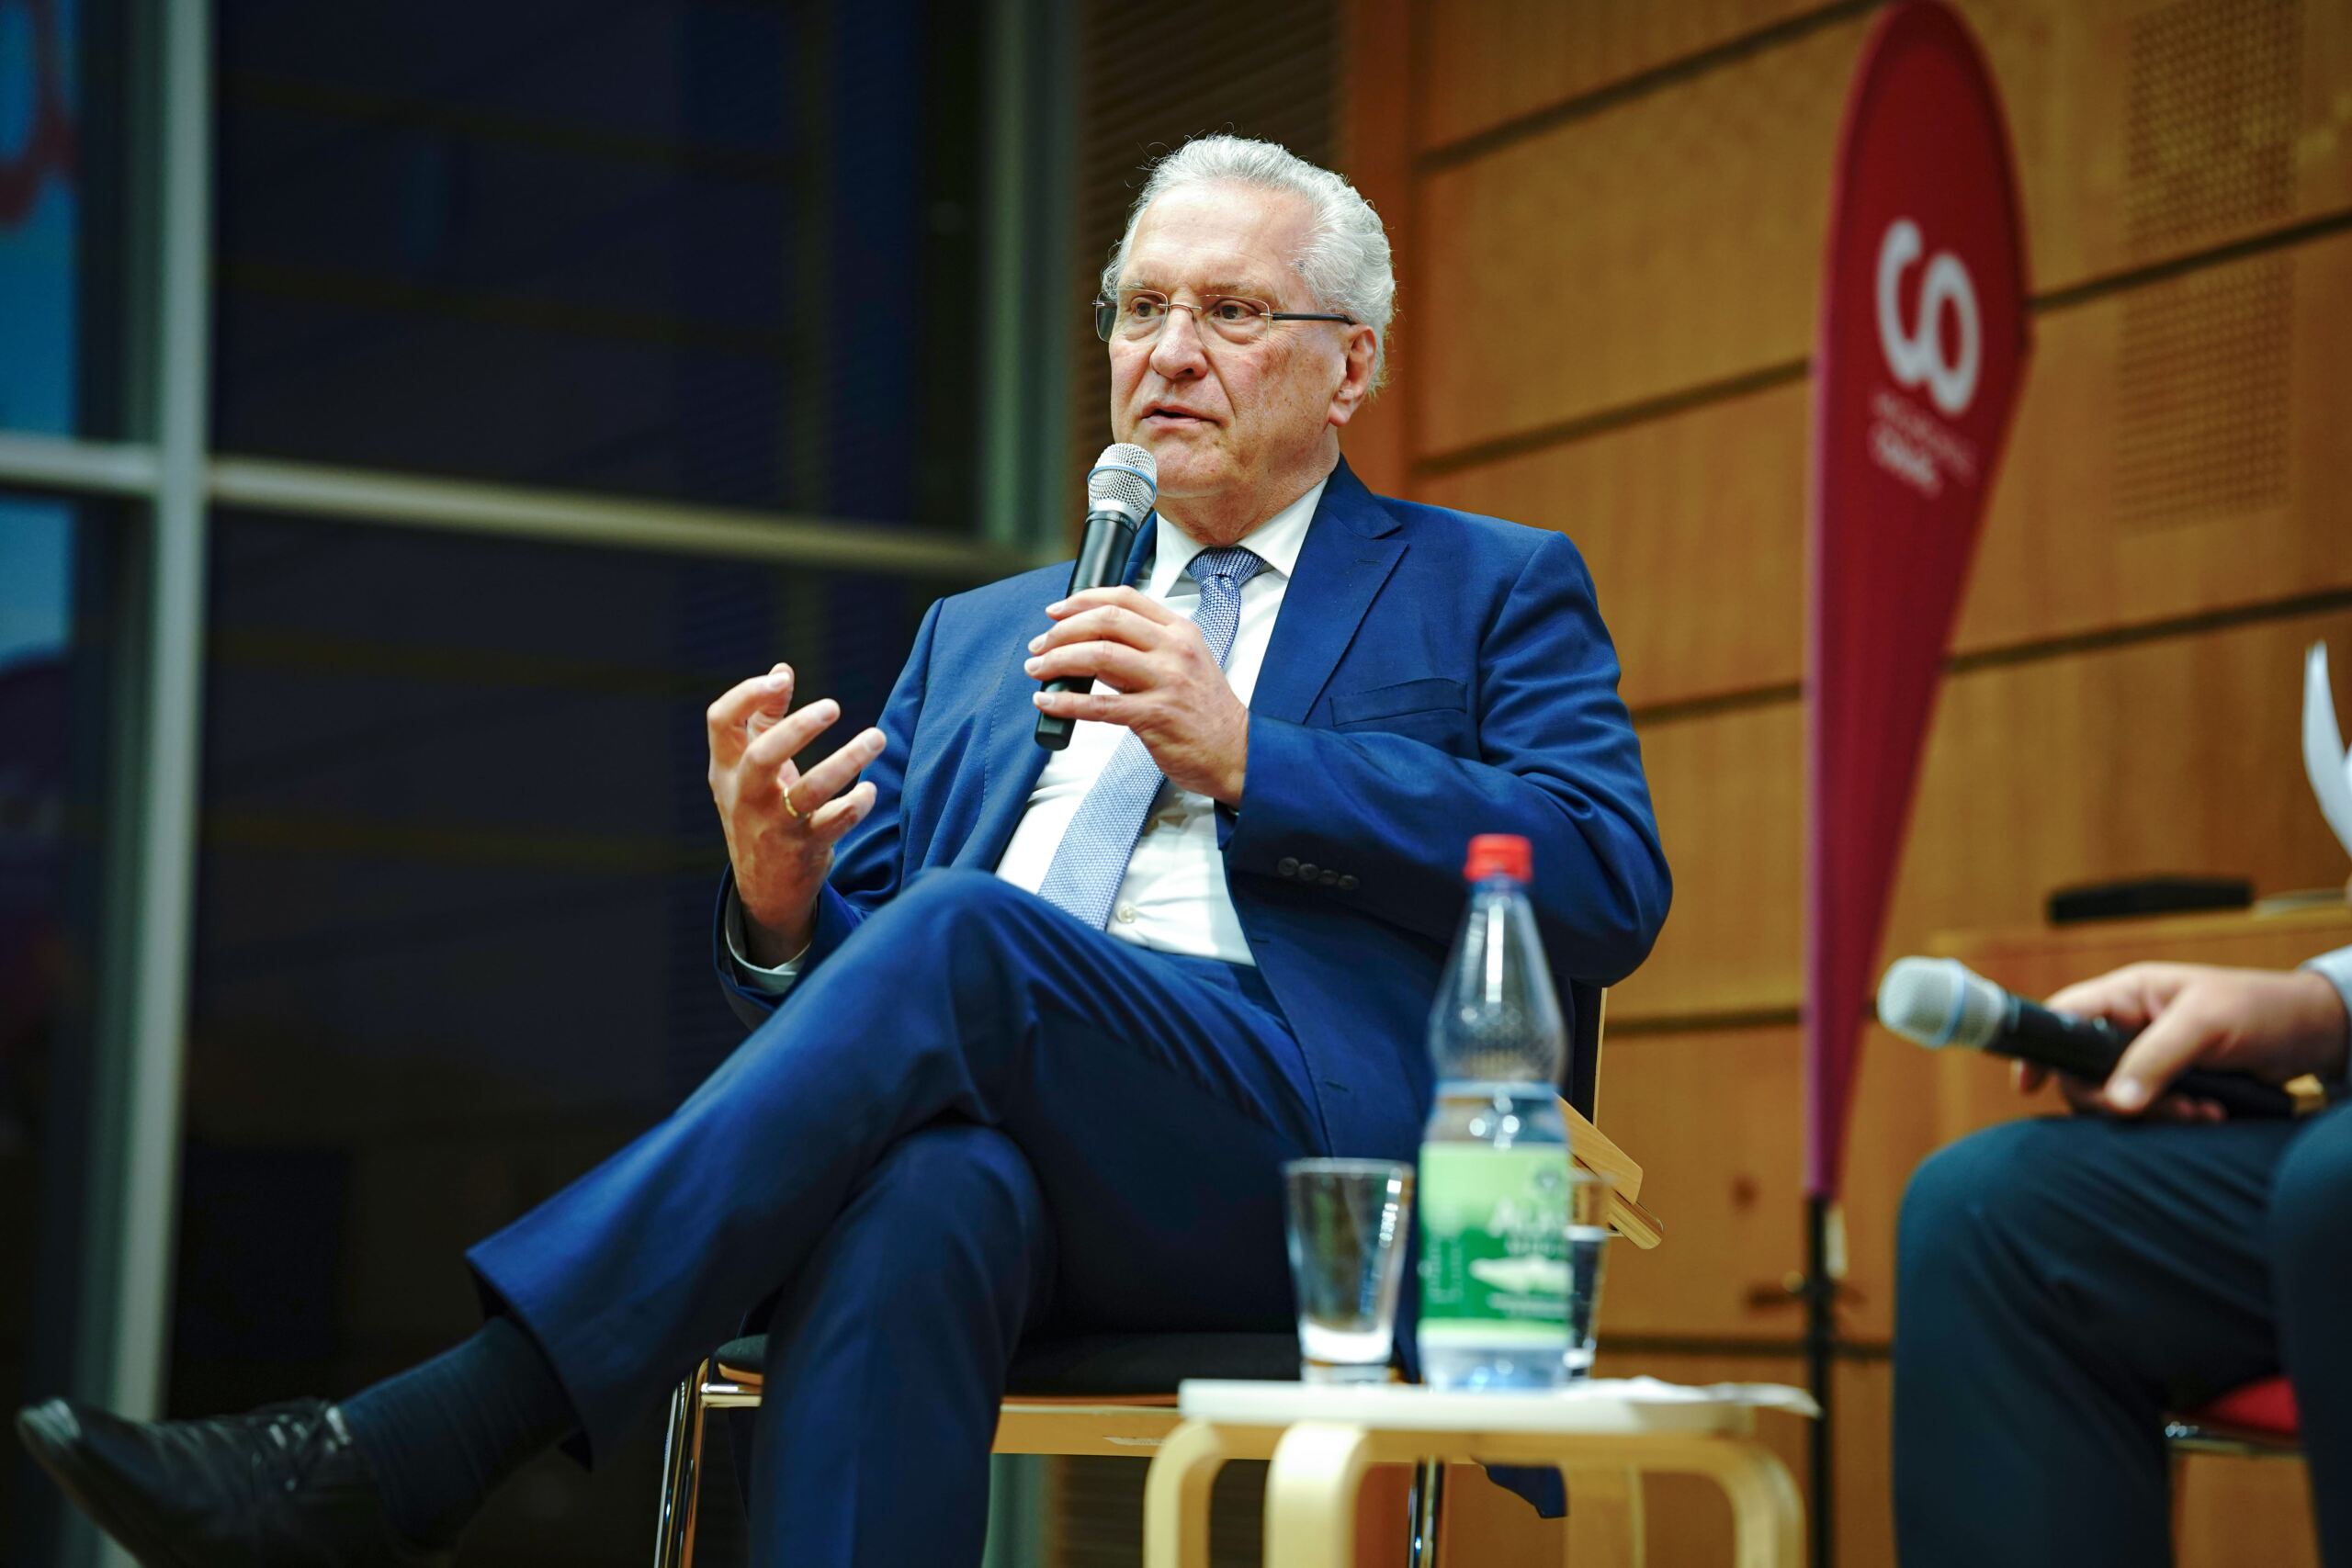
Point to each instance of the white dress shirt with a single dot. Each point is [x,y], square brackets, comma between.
[2337,968]
[1173,896]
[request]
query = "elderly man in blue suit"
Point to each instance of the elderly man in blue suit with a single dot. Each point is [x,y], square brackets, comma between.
[1031,1032]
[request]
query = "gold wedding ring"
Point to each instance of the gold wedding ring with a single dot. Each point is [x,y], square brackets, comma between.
[789,811]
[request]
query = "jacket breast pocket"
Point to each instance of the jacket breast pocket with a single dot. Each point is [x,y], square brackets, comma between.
[1430,710]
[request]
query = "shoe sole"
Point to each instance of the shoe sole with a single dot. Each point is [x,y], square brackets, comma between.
[53,1436]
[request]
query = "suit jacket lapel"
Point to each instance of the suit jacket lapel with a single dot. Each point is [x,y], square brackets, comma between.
[1347,555]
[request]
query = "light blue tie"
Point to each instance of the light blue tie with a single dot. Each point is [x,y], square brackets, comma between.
[1092,859]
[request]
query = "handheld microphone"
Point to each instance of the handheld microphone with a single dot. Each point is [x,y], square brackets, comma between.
[1940,1001]
[1120,489]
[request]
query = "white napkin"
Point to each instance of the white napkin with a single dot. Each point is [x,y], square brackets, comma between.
[1653,1391]
[2323,754]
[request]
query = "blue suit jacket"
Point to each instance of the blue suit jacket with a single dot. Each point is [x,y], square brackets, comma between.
[1433,674]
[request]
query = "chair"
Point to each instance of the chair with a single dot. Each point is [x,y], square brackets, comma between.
[1115,1393]
[2258,1421]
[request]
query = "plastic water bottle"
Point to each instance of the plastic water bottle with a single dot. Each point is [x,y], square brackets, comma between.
[1494,1168]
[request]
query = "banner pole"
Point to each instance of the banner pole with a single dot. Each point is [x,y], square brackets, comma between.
[1820,1349]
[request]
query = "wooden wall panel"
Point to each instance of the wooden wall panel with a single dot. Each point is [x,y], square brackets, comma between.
[2149,129]
[1728,789]
[1492,60]
[2127,497]
[1673,241]
[2173,755]
[2228,1511]
[1703,584]
[1375,150]
[1718,1117]
[2182,754]
[1659,245]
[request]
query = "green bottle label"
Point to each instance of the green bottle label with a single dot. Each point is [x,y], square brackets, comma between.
[1494,1244]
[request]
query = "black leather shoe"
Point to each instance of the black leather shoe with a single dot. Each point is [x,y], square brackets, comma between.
[283,1486]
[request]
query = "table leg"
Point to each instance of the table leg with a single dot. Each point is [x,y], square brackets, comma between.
[1767,1519]
[1311,1495]
[1604,1528]
[1176,1496]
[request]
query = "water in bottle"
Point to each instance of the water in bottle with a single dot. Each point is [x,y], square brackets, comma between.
[1494,1167]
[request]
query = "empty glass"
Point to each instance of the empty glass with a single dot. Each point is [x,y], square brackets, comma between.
[1347,1255]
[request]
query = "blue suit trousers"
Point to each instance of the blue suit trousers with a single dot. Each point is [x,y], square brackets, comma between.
[974,1118]
[2064,1282]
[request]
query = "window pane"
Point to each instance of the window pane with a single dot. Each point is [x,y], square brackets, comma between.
[459,866]
[59,123]
[700,249]
[57,573]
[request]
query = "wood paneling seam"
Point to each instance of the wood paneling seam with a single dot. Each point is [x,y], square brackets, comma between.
[1726,1020]
[1741,1350]
[1520,442]
[1731,51]
[2032,652]
[2279,238]
[1562,432]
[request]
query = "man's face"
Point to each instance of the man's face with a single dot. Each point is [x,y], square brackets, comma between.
[1235,427]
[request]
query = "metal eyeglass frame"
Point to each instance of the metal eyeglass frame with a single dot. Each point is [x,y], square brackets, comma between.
[1106,313]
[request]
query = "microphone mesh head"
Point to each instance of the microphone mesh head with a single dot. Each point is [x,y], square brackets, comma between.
[1939,1001]
[1125,479]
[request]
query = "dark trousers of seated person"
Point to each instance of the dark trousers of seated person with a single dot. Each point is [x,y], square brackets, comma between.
[975,1115]
[2065,1283]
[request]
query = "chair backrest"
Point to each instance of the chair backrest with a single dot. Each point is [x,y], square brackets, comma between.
[1580,1074]
[1592,1148]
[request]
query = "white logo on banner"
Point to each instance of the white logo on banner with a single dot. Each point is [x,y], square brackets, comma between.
[1904,438]
[1919,356]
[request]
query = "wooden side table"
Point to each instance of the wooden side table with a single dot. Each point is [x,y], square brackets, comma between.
[1321,1439]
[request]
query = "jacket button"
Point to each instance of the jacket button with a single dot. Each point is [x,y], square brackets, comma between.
[1347,885]
[1307,869]
[1286,866]
[1330,878]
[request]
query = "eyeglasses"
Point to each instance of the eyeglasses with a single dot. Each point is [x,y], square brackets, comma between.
[1136,315]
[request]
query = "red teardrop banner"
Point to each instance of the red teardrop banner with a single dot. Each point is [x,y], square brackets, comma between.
[1923,343]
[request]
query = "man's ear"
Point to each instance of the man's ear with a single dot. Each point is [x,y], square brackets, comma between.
[1355,380]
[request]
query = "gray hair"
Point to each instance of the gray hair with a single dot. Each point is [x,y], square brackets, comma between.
[1344,259]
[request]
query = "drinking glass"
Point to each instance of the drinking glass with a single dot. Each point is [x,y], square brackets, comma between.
[1347,1254]
[1589,1233]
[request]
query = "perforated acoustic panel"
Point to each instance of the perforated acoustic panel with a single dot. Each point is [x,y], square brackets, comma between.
[2202,372]
[2202,390]
[2212,110]
[1151,77]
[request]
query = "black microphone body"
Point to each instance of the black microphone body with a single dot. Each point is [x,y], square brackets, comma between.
[2089,1047]
[1101,563]
[1938,1002]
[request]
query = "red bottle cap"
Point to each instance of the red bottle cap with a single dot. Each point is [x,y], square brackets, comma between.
[1498,855]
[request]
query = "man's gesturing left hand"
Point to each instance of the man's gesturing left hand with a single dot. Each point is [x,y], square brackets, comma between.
[1165,686]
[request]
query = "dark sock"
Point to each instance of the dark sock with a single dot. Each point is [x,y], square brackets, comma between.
[442,1435]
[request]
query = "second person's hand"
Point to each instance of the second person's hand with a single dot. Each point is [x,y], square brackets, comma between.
[2270,1025]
